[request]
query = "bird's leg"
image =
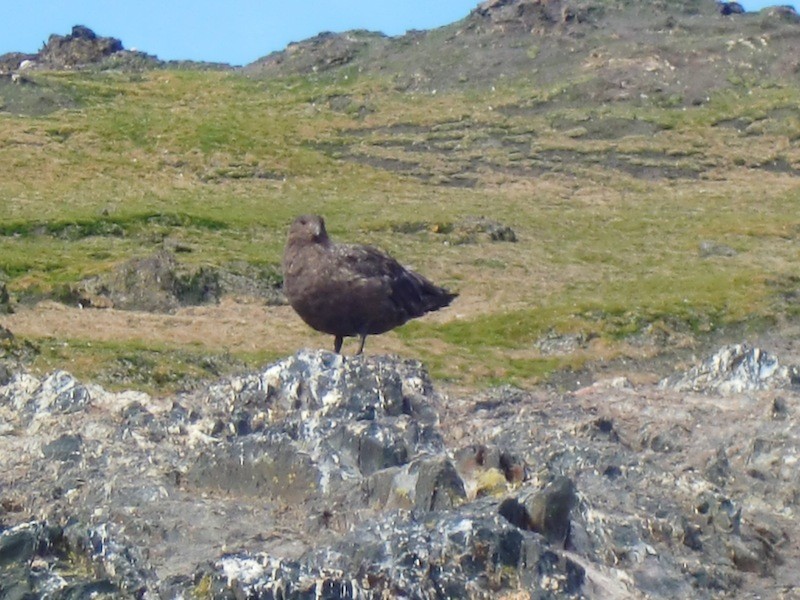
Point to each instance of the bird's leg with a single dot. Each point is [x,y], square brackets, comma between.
[363,337]
[337,344]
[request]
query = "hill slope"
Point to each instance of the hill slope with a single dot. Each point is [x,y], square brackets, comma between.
[599,181]
[596,51]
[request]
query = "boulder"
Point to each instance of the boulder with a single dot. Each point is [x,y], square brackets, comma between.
[12,62]
[730,8]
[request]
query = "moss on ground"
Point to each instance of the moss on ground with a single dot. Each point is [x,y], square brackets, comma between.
[608,220]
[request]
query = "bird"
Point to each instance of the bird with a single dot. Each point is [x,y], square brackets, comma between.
[349,290]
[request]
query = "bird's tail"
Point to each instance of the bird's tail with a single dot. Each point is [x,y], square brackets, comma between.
[438,298]
[415,295]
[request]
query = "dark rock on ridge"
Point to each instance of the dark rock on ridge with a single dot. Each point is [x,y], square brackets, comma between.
[353,478]
[533,16]
[731,8]
[80,47]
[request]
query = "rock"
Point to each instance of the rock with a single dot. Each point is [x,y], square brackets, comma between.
[57,394]
[152,283]
[17,545]
[546,512]
[272,470]
[708,248]
[531,15]
[468,230]
[81,32]
[160,283]
[779,409]
[339,477]
[488,470]
[720,512]
[474,554]
[146,284]
[327,422]
[425,484]
[734,369]
[718,470]
[549,510]
[784,12]
[12,62]
[323,52]
[521,13]
[66,448]
[730,8]
[6,335]
[81,47]
[744,557]
[60,557]
[553,343]
[5,300]
[501,233]
[14,352]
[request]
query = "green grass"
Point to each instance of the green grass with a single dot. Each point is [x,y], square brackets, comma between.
[221,163]
[149,367]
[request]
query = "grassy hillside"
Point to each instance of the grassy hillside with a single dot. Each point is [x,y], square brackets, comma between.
[639,225]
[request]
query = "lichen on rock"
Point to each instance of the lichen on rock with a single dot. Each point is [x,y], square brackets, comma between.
[353,477]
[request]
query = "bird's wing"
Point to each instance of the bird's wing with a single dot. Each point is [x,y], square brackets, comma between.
[403,287]
[366,262]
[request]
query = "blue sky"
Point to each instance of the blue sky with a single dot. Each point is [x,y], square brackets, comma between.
[237,32]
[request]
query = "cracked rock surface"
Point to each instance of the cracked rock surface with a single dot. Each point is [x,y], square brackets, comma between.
[353,477]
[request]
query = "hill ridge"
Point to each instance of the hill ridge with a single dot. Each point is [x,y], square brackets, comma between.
[680,51]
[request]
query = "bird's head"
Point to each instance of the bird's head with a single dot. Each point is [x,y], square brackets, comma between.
[308,229]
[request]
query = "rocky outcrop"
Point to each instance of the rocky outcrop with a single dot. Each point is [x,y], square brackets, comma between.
[730,8]
[12,62]
[785,12]
[81,47]
[536,16]
[322,52]
[736,368]
[160,282]
[352,477]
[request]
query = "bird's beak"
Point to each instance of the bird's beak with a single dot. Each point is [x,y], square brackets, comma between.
[319,231]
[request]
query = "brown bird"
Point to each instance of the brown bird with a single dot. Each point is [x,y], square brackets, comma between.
[351,290]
